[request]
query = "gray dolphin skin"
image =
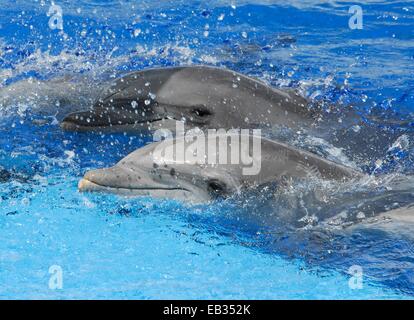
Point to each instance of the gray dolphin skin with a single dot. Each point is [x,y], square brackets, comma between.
[403,215]
[143,173]
[200,96]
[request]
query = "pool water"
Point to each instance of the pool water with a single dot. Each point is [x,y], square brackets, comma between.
[105,246]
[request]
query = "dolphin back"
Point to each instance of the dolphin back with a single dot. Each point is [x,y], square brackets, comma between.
[281,159]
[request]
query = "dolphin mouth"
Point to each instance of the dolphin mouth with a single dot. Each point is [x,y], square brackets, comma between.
[118,181]
[180,194]
[86,185]
[69,124]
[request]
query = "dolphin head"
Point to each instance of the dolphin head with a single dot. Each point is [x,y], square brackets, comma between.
[128,103]
[141,173]
[199,169]
[200,96]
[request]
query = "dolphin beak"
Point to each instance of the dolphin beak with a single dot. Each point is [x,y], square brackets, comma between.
[116,181]
[116,178]
[85,185]
[110,180]
[113,177]
[91,181]
[111,121]
[96,120]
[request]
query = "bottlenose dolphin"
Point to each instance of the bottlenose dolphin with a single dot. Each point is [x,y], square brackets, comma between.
[200,96]
[145,172]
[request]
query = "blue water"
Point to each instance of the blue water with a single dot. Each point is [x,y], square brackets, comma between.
[109,247]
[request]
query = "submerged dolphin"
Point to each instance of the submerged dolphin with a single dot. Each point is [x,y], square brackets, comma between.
[145,172]
[200,96]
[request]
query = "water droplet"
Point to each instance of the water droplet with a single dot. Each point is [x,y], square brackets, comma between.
[356,128]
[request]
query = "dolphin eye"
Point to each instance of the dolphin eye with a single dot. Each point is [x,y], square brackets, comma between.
[216,187]
[201,112]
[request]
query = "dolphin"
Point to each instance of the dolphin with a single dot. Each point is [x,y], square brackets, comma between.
[200,96]
[155,171]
